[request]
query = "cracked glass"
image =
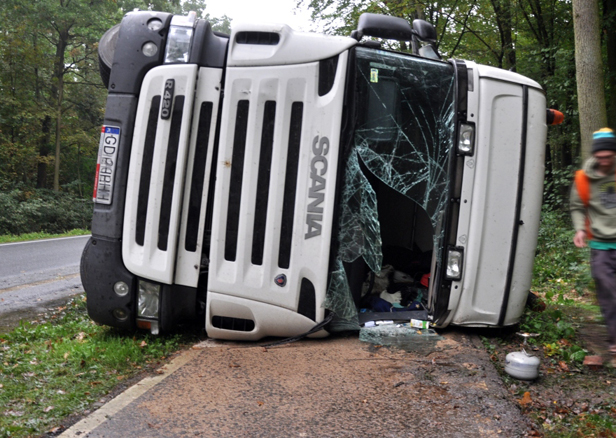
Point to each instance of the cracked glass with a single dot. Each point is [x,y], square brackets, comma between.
[396,181]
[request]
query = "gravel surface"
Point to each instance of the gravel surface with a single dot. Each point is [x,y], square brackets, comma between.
[337,387]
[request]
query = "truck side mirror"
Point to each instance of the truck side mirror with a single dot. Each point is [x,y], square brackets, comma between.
[395,28]
[426,33]
[383,26]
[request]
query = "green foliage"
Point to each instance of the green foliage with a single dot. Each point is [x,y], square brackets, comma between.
[43,211]
[52,368]
[557,187]
[10,238]
[560,268]
[557,335]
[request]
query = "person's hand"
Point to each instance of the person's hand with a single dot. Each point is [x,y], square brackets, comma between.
[579,239]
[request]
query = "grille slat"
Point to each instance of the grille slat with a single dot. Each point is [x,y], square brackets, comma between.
[263,182]
[146,171]
[169,176]
[196,192]
[290,186]
[237,173]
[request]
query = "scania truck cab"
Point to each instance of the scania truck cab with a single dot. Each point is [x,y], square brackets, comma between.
[273,181]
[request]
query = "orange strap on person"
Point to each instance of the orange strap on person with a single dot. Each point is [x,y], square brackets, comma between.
[582,185]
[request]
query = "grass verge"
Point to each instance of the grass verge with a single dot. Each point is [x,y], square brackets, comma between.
[9,238]
[568,399]
[64,363]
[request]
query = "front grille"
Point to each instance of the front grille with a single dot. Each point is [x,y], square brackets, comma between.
[154,192]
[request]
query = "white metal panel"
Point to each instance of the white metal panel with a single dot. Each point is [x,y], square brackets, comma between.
[487,72]
[309,255]
[189,262]
[492,211]
[293,48]
[149,261]
[269,320]
[466,195]
[532,198]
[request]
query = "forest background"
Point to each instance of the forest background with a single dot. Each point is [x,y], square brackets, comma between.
[52,99]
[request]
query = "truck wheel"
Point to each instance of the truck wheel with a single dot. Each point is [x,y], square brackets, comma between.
[106,49]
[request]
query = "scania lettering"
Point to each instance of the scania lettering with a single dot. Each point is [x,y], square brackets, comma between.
[318,169]
[275,183]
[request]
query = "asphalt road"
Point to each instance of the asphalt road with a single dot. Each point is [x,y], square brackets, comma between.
[34,274]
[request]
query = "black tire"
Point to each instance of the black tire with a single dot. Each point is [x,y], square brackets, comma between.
[106,50]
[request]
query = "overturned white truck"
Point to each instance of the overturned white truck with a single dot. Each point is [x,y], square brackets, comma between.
[264,180]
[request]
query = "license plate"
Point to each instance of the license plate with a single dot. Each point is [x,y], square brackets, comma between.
[106,164]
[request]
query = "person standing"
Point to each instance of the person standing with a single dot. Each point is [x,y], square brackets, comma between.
[593,213]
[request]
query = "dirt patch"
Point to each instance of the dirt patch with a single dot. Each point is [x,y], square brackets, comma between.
[333,387]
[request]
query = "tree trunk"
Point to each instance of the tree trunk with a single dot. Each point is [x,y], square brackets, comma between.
[502,13]
[41,176]
[63,37]
[609,23]
[589,70]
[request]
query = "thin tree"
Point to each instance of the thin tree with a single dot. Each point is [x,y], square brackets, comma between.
[589,70]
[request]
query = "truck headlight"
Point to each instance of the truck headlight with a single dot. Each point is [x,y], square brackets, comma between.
[180,37]
[466,139]
[148,299]
[454,264]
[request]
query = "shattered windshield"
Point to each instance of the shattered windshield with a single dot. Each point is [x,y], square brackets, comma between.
[403,135]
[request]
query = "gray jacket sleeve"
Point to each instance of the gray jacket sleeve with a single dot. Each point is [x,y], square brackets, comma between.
[577,210]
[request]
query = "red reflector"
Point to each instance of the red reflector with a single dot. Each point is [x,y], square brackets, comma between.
[98,169]
[554,117]
[147,325]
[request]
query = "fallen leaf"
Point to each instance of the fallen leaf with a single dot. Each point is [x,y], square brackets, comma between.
[143,344]
[233,365]
[48,408]
[61,392]
[14,413]
[563,366]
[260,403]
[526,400]
[55,429]
[66,355]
